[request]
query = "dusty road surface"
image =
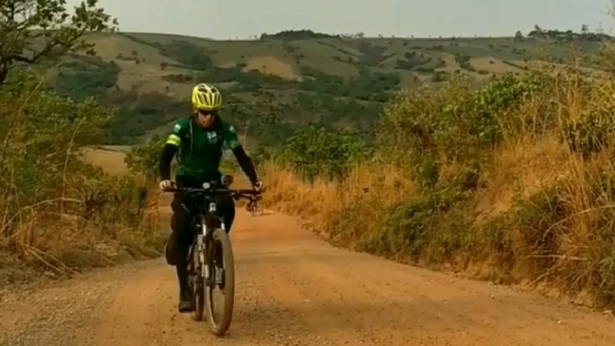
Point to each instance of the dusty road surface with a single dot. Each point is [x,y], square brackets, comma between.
[294,289]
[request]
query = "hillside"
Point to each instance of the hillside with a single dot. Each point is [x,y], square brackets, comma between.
[279,82]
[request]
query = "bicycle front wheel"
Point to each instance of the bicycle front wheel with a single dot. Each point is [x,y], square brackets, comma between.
[222,270]
[197,284]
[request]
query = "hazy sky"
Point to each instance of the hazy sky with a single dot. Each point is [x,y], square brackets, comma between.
[243,18]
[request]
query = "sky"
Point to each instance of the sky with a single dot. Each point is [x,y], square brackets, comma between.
[230,19]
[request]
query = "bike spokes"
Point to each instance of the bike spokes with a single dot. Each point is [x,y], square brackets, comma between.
[197,286]
[221,288]
[217,281]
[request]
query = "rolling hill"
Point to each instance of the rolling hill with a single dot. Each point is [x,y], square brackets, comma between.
[280,82]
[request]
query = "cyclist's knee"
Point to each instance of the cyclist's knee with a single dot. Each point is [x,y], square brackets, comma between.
[180,225]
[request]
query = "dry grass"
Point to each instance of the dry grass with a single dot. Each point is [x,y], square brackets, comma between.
[542,213]
[109,46]
[371,187]
[272,65]
[522,167]
[145,76]
[493,65]
[110,160]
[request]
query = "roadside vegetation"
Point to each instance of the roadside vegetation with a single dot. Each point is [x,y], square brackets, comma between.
[512,181]
[58,213]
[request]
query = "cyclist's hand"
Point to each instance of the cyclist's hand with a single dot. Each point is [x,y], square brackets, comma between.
[258,186]
[166,185]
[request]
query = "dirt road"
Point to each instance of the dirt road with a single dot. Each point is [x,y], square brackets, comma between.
[294,289]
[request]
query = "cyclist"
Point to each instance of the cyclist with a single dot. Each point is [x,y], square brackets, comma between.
[198,141]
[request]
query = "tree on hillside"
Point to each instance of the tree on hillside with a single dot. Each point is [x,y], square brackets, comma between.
[32,30]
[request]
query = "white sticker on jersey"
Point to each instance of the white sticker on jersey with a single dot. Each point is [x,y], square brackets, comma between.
[212,137]
[231,128]
[177,128]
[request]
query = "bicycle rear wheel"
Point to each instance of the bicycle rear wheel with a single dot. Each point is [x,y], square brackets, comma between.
[222,278]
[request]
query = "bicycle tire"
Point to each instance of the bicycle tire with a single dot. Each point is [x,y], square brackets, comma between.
[197,285]
[220,328]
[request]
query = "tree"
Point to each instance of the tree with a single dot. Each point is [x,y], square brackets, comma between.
[518,36]
[32,30]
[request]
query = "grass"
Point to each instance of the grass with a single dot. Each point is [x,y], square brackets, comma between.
[369,190]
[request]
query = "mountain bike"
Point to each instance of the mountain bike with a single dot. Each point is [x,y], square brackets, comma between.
[211,263]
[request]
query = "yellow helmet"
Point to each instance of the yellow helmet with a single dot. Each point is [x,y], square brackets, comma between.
[206,97]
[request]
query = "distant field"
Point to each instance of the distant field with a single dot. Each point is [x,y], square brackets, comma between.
[275,85]
[109,158]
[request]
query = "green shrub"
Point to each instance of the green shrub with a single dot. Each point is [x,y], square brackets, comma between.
[315,151]
[80,80]
[48,183]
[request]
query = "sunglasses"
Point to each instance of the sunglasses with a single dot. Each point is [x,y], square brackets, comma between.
[205,112]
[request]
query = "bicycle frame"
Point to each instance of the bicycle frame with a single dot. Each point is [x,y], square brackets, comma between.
[205,271]
[204,233]
[203,236]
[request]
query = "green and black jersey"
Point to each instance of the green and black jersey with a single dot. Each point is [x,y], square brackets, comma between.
[199,151]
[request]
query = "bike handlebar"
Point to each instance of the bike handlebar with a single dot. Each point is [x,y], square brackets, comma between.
[236,193]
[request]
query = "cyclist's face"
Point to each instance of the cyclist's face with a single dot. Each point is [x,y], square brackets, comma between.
[205,118]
